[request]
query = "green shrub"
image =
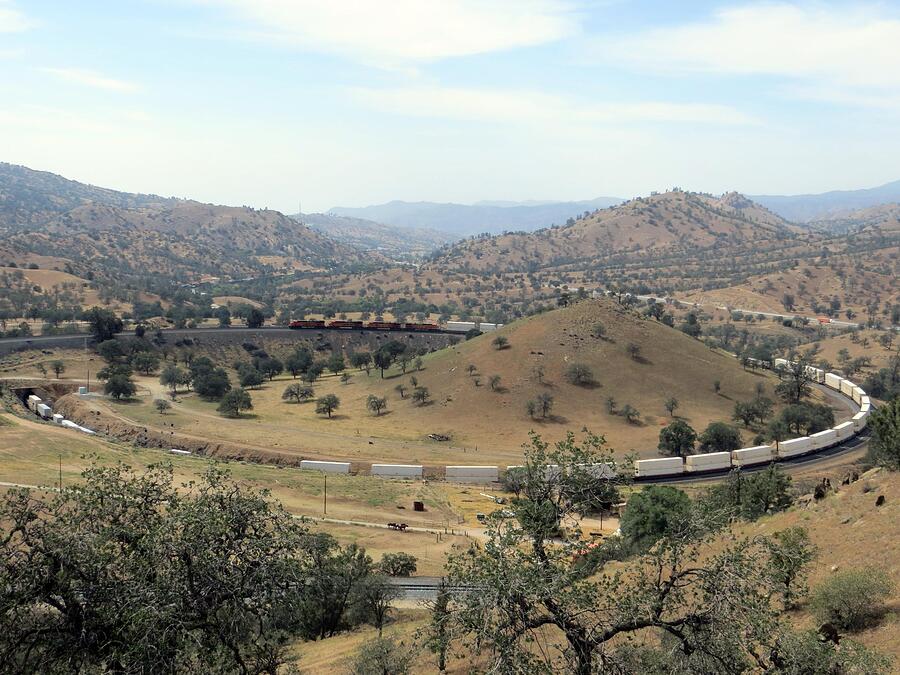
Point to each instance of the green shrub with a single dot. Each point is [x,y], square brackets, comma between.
[852,599]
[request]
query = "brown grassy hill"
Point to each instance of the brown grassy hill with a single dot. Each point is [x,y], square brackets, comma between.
[669,364]
[29,198]
[677,220]
[185,238]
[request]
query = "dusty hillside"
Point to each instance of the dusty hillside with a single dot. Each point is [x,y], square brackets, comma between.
[669,364]
[671,220]
[851,532]
[186,239]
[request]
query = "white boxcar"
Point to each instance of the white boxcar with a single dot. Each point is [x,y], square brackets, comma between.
[823,439]
[759,454]
[847,388]
[472,474]
[845,430]
[833,381]
[859,421]
[460,326]
[794,447]
[328,467]
[711,461]
[397,470]
[44,410]
[666,466]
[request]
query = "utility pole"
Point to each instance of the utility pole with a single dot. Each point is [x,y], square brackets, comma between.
[60,473]
[325,495]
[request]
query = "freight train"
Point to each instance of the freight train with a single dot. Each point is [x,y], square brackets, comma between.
[451,326]
[649,470]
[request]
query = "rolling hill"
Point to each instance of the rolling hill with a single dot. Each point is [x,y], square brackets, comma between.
[109,234]
[494,420]
[676,221]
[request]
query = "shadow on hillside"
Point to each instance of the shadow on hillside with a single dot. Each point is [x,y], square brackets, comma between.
[551,419]
[643,360]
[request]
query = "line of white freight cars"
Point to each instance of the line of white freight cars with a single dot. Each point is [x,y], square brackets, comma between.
[466,326]
[38,407]
[666,466]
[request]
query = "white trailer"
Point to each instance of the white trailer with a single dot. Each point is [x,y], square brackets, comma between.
[397,470]
[759,454]
[666,466]
[794,447]
[711,461]
[461,326]
[327,467]
[823,439]
[833,381]
[844,430]
[847,388]
[472,474]
[58,418]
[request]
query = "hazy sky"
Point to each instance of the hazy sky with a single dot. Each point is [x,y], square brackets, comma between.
[352,102]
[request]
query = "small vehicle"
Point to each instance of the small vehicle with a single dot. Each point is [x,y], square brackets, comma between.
[400,527]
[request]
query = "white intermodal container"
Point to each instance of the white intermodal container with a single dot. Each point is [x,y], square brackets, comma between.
[485,327]
[472,474]
[844,430]
[664,466]
[44,410]
[859,421]
[794,447]
[710,461]
[858,393]
[865,400]
[461,326]
[33,402]
[781,363]
[397,470]
[759,454]
[833,381]
[58,418]
[847,388]
[327,467]
[823,439]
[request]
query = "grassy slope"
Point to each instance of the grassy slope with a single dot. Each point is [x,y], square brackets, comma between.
[475,416]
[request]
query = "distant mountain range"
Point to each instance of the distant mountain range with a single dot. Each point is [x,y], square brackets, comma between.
[462,220]
[827,205]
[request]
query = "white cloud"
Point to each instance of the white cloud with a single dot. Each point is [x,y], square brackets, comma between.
[401,32]
[11,19]
[491,105]
[90,78]
[845,46]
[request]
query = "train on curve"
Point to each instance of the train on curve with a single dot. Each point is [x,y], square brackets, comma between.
[449,327]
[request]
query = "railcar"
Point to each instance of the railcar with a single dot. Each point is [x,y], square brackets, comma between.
[306,324]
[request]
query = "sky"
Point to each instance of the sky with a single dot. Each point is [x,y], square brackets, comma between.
[273,103]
